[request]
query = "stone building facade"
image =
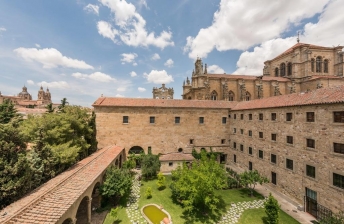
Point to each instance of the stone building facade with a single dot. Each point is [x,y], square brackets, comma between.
[303,67]
[163,92]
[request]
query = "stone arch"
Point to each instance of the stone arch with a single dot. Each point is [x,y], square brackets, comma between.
[82,212]
[96,198]
[68,221]
[326,66]
[231,96]
[136,150]
[318,64]
[189,98]
[312,64]
[180,150]
[289,69]
[276,72]
[282,69]
[247,96]
[116,163]
[214,95]
[203,149]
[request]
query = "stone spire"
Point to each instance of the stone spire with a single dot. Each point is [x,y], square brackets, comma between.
[205,69]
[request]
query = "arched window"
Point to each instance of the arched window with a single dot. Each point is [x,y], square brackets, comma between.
[214,95]
[326,66]
[312,65]
[276,72]
[289,69]
[231,96]
[318,64]
[282,68]
[247,96]
[189,98]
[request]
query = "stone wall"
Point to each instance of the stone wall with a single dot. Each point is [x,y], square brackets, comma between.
[292,182]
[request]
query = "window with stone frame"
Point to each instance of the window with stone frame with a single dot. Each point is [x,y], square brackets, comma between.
[289,164]
[312,64]
[310,143]
[250,151]
[241,147]
[260,134]
[310,116]
[241,116]
[261,117]
[318,64]
[234,145]
[250,117]
[289,116]
[242,131]
[224,120]
[191,141]
[338,180]
[234,158]
[282,69]
[260,154]
[276,72]
[273,158]
[338,148]
[152,120]
[234,130]
[273,137]
[177,120]
[234,116]
[223,141]
[170,164]
[125,119]
[201,120]
[290,139]
[250,165]
[250,133]
[290,70]
[231,96]
[273,178]
[310,171]
[338,116]
[273,116]
[325,66]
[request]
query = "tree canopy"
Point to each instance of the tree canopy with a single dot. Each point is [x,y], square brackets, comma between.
[150,166]
[250,179]
[7,111]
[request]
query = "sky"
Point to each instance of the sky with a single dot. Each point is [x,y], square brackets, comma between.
[81,49]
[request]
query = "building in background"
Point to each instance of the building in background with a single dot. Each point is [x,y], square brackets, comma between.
[163,93]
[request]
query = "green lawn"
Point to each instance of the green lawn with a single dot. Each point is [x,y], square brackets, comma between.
[122,215]
[257,216]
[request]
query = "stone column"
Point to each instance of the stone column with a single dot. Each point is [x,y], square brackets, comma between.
[89,210]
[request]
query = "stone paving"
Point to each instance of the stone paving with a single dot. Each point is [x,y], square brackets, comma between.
[133,210]
[233,214]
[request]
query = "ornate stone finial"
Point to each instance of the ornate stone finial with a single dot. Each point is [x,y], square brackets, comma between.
[319,85]
[205,69]
[187,81]
[298,37]
[184,83]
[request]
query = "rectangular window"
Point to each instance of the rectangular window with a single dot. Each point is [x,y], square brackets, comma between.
[273,178]
[241,131]
[125,119]
[151,120]
[170,164]
[289,164]
[191,141]
[234,158]
[338,116]
[250,133]
[338,180]
[177,120]
[310,171]
[260,134]
[234,145]
[261,154]
[338,148]
[273,137]
[241,147]
[223,141]
[290,139]
[250,165]
[289,116]
[234,130]
[234,116]
[241,116]
[310,117]
[273,158]
[250,150]
[310,143]
[201,120]
[273,116]
[224,120]
[261,117]
[250,117]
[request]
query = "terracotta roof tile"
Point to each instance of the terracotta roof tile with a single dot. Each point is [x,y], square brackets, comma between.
[138,102]
[178,156]
[320,96]
[51,200]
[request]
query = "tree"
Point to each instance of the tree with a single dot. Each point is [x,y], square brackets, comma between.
[150,166]
[50,108]
[148,193]
[62,105]
[333,219]
[7,111]
[250,179]
[195,187]
[161,181]
[272,210]
[118,182]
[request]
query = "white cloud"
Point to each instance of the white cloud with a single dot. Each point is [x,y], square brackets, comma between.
[155,57]
[133,74]
[30,82]
[169,63]
[38,46]
[215,69]
[50,58]
[119,95]
[92,9]
[141,89]
[121,89]
[96,76]
[54,85]
[328,30]
[242,24]
[132,27]
[135,64]
[2,29]
[129,58]
[158,77]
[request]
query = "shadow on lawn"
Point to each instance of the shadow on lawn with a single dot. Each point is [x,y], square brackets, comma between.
[198,215]
[244,193]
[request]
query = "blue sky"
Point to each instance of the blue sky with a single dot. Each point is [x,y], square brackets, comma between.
[81,49]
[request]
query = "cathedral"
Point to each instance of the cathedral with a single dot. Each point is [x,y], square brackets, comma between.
[301,68]
[24,98]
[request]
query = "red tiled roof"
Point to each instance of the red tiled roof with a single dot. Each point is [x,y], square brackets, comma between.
[320,96]
[248,77]
[177,156]
[138,102]
[50,201]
